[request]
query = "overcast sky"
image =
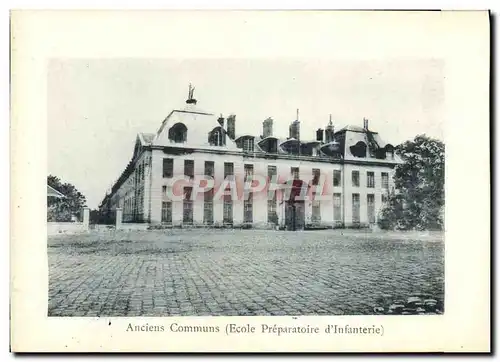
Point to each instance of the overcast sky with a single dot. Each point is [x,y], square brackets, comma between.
[97,107]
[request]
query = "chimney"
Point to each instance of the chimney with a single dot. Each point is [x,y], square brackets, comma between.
[365,124]
[319,135]
[267,127]
[294,130]
[231,126]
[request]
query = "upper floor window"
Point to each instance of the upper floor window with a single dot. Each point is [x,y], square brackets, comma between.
[168,167]
[209,168]
[189,168]
[228,169]
[248,172]
[271,173]
[178,133]
[385,180]
[355,178]
[370,179]
[337,175]
[316,173]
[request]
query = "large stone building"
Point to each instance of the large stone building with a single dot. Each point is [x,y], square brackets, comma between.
[345,175]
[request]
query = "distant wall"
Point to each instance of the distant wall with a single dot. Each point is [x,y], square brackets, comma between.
[133,226]
[54,228]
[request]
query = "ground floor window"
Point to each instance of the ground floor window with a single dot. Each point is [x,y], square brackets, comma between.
[371,208]
[187,212]
[316,210]
[208,213]
[248,209]
[228,210]
[208,208]
[166,212]
[187,207]
[337,207]
[355,208]
[272,215]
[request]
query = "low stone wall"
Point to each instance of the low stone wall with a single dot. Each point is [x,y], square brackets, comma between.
[54,228]
[133,226]
[216,225]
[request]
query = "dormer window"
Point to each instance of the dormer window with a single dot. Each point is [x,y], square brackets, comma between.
[178,133]
[389,152]
[216,137]
[248,145]
[359,149]
[273,146]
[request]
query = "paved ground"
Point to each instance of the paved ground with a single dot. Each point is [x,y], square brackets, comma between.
[244,272]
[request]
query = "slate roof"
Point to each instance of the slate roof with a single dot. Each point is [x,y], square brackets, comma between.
[198,123]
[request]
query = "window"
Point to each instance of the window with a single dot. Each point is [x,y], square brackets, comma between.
[228,210]
[370,179]
[337,175]
[272,216]
[371,208]
[178,133]
[164,192]
[168,167]
[337,207]
[359,149]
[208,207]
[273,146]
[316,173]
[248,145]
[248,172]
[355,208]
[355,178]
[295,173]
[189,168]
[385,180]
[389,152]
[187,207]
[228,169]
[166,212]
[216,137]
[248,209]
[209,168]
[316,210]
[271,173]
[384,198]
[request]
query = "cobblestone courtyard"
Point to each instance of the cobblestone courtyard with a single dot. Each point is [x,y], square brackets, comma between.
[238,272]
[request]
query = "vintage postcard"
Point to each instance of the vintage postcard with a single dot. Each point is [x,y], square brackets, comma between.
[250,181]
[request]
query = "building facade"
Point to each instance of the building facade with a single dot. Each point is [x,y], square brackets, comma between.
[336,179]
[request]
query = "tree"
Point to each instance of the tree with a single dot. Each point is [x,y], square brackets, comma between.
[418,200]
[63,209]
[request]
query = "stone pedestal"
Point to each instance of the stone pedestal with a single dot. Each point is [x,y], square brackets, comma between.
[86,218]
[119,217]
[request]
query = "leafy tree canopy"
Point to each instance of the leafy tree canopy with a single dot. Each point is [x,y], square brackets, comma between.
[418,200]
[63,209]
